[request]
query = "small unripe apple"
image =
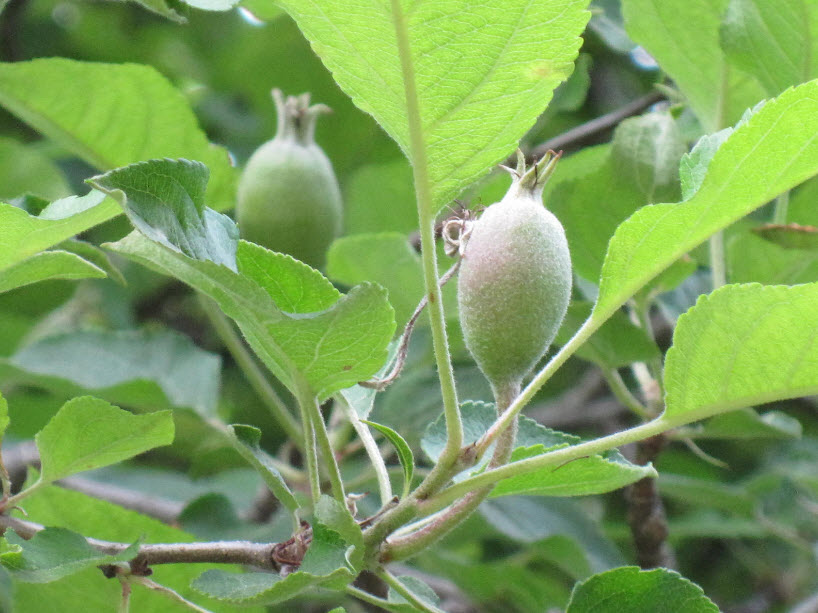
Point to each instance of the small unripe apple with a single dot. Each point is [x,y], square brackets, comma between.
[288,196]
[515,280]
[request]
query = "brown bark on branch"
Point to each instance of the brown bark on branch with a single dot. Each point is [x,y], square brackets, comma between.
[260,555]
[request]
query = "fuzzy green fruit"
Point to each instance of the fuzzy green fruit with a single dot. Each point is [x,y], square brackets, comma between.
[288,196]
[515,280]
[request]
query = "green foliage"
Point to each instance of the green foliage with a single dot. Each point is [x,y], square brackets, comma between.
[25,235]
[48,265]
[88,433]
[470,116]
[145,116]
[245,439]
[737,182]
[741,345]
[333,559]
[89,589]
[771,41]
[456,86]
[639,591]
[27,171]
[317,348]
[692,56]
[590,475]
[55,553]
[616,344]
[405,455]
[145,369]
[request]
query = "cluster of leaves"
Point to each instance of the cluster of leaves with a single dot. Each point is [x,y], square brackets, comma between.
[455,87]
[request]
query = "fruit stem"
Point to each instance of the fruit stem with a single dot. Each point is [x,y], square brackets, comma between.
[505,421]
[296,118]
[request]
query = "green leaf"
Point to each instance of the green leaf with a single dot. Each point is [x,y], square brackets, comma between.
[405,455]
[596,190]
[6,587]
[387,259]
[646,151]
[751,258]
[596,475]
[25,235]
[739,346]
[90,590]
[24,170]
[245,440]
[790,236]
[165,202]
[55,553]
[381,198]
[96,256]
[693,166]
[745,424]
[639,591]
[770,40]
[591,475]
[332,561]
[362,399]
[111,115]
[88,433]
[481,71]
[345,342]
[293,286]
[683,37]
[48,265]
[769,154]
[147,369]
[418,588]
[733,499]
[616,344]
[529,520]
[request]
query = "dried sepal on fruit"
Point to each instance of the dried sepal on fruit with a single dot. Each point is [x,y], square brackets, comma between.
[515,280]
[288,197]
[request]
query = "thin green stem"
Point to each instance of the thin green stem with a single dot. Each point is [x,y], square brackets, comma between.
[404,546]
[371,447]
[14,500]
[655,395]
[718,269]
[417,146]
[782,204]
[312,411]
[371,598]
[311,454]
[623,394]
[413,599]
[510,415]
[255,376]
[557,457]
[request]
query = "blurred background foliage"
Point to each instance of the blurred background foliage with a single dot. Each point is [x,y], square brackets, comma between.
[742,501]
